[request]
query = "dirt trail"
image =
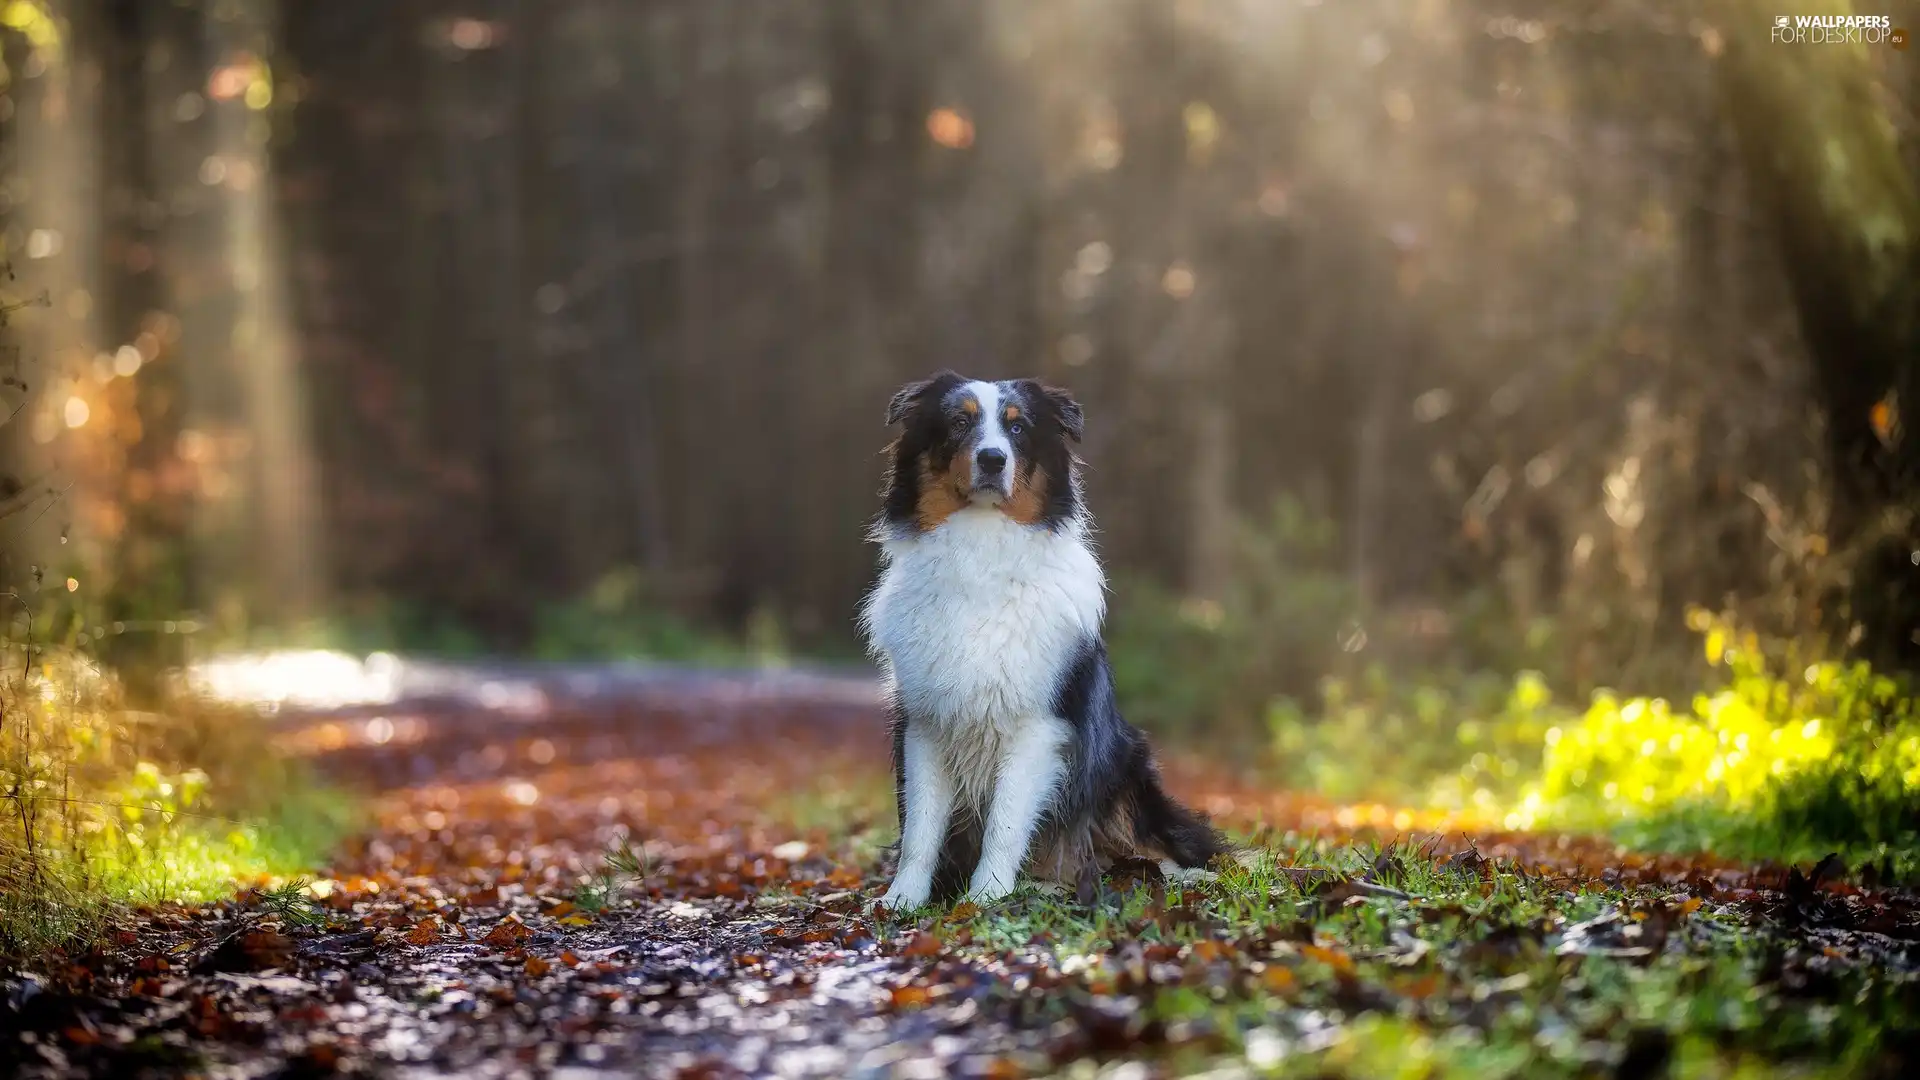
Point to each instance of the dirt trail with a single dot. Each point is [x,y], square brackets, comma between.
[457,943]
[458,940]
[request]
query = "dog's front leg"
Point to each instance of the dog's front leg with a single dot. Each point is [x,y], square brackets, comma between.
[1031,765]
[928,793]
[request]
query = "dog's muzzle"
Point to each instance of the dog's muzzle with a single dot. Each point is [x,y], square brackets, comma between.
[990,471]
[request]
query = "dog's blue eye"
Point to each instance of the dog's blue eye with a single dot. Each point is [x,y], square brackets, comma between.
[1016,428]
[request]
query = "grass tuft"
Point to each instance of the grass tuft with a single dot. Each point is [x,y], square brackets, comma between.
[104,807]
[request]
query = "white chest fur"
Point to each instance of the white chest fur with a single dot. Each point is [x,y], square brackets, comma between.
[976,621]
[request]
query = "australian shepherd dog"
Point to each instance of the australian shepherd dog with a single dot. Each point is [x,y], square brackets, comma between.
[1009,753]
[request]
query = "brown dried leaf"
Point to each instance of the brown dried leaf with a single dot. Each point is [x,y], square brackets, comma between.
[509,932]
[923,944]
[1339,961]
[1278,980]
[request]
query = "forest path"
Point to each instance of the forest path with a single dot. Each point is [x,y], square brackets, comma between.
[456,936]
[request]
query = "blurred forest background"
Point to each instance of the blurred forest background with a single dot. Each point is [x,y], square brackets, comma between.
[1470,333]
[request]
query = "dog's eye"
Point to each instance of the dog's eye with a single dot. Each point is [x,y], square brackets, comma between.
[1016,428]
[962,422]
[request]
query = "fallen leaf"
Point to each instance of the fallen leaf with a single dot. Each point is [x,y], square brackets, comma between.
[1422,987]
[509,932]
[1339,961]
[922,944]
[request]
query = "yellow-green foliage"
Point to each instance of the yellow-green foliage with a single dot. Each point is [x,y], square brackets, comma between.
[1636,754]
[1787,758]
[103,805]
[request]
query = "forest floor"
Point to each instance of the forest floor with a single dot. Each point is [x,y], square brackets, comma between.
[672,884]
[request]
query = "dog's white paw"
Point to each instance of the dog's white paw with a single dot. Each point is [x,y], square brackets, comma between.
[1186,875]
[902,898]
[985,889]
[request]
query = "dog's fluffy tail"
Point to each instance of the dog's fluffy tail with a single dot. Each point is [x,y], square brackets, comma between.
[1163,825]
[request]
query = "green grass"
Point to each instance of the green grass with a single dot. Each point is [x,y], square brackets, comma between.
[105,808]
[621,866]
[76,893]
[1461,978]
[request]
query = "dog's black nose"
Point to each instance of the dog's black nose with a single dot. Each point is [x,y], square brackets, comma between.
[991,461]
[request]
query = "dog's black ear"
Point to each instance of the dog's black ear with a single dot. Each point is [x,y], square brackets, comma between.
[1072,419]
[909,395]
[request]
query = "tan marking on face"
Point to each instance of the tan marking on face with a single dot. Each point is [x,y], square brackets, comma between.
[942,494]
[1011,413]
[970,406]
[1028,500]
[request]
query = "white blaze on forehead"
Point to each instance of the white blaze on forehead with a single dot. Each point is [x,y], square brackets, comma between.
[990,431]
[987,394]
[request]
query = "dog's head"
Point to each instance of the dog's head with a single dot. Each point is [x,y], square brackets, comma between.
[968,443]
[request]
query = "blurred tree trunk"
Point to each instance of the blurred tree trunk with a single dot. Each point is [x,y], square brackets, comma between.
[133,111]
[1392,338]
[1210,540]
[1206,344]
[474,113]
[511,145]
[699,144]
[620,352]
[277,523]
[1150,335]
[878,98]
[1827,172]
[161,213]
